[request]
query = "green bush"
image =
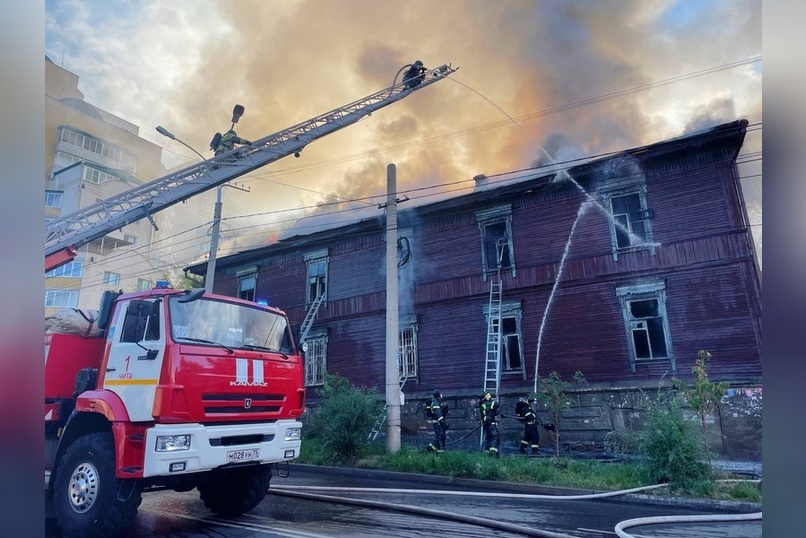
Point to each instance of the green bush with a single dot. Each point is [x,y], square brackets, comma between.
[672,449]
[621,442]
[342,422]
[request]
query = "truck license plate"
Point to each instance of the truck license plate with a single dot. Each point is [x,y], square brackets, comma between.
[243,455]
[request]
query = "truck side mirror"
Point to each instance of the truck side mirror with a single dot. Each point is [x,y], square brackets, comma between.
[105,312]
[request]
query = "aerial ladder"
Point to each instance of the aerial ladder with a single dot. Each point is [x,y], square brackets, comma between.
[492,362]
[63,236]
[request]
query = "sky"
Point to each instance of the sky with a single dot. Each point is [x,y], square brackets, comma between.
[537,81]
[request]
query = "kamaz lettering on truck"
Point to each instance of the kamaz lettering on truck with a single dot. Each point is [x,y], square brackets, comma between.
[180,390]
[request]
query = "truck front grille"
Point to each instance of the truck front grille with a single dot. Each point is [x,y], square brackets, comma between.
[217,404]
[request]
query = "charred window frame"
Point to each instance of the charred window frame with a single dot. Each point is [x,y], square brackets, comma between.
[646,323]
[630,228]
[317,265]
[495,227]
[512,357]
[316,358]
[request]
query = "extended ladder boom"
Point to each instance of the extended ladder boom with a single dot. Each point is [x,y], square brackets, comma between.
[64,235]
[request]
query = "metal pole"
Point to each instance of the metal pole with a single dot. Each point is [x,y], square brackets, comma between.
[209,277]
[392,326]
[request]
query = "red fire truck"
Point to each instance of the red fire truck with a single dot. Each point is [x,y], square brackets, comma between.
[169,388]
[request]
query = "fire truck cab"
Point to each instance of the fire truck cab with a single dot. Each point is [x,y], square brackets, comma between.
[181,390]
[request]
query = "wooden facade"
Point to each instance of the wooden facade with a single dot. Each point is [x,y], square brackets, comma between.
[686,280]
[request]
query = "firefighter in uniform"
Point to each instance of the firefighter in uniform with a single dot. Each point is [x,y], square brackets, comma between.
[437,413]
[531,438]
[415,74]
[228,141]
[488,409]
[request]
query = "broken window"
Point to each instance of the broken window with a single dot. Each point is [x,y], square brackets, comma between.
[511,337]
[511,352]
[644,309]
[317,275]
[497,251]
[629,220]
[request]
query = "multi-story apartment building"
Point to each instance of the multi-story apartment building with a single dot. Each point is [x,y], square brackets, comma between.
[91,155]
[622,268]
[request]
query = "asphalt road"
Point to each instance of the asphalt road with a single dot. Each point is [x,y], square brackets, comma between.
[508,507]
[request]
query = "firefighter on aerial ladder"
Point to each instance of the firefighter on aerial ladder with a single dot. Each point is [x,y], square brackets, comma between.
[227,141]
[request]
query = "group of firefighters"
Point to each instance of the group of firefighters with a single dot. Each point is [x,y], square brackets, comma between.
[489,414]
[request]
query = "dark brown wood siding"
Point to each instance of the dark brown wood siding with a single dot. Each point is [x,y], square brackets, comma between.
[702,254]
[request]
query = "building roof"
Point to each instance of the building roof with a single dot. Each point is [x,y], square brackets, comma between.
[496,187]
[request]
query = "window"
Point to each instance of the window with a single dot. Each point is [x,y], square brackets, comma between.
[63,160]
[407,352]
[317,275]
[111,279]
[130,239]
[88,143]
[316,360]
[629,222]
[93,175]
[61,298]
[53,198]
[497,250]
[630,227]
[143,284]
[72,269]
[246,287]
[511,341]
[141,321]
[644,310]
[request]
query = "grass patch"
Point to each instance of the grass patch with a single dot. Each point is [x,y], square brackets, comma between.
[549,471]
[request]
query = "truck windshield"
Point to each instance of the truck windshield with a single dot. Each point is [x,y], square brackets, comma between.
[229,324]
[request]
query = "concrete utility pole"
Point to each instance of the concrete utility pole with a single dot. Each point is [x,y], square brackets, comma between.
[209,276]
[392,326]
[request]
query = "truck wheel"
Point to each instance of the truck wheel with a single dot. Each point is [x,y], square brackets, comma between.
[85,490]
[231,492]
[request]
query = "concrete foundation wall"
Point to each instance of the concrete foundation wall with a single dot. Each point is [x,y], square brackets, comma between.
[596,420]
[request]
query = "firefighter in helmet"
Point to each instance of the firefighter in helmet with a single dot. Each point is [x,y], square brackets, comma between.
[488,409]
[415,74]
[228,141]
[437,412]
[531,438]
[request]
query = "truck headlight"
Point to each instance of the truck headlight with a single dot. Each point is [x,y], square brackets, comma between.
[292,434]
[172,443]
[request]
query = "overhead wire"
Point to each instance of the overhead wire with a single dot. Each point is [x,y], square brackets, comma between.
[752,157]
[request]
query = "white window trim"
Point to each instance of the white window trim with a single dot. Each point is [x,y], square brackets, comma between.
[409,322]
[70,293]
[646,290]
[318,335]
[606,195]
[56,196]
